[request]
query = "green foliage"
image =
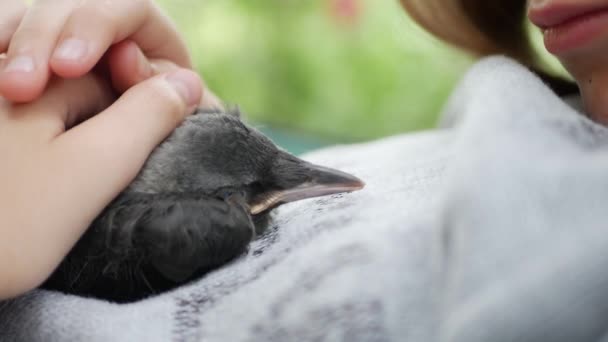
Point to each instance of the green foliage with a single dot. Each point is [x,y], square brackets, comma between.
[293,64]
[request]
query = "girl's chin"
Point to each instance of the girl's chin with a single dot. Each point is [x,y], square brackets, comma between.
[587,62]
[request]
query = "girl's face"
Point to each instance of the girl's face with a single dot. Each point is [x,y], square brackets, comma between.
[576,32]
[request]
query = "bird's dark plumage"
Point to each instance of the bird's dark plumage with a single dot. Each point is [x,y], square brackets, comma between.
[202,196]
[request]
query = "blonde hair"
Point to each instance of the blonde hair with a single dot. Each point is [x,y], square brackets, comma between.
[485,27]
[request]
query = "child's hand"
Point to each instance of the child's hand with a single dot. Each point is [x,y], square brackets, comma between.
[70,37]
[56,177]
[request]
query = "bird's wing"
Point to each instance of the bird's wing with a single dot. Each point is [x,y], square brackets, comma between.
[142,242]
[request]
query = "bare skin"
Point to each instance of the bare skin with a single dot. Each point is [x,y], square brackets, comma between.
[584,56]
[57,176]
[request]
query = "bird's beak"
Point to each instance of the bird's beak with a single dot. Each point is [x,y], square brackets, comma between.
[320,181]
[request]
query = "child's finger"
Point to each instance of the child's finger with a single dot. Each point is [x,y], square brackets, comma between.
[10,17]
[100,24]
[25,73]
[128,66]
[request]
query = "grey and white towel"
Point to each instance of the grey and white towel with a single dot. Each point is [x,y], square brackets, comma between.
[493,228]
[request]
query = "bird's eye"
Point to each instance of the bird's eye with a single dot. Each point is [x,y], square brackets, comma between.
[225,193]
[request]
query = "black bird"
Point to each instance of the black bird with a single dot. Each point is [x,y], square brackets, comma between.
[201,197]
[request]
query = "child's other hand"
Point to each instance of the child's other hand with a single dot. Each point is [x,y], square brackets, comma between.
[67,154]
[70,37]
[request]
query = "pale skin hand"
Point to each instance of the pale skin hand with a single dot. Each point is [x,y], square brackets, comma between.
[56,177]
[70,37]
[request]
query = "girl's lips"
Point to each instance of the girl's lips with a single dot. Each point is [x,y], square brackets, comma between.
[567,27]
[557,13]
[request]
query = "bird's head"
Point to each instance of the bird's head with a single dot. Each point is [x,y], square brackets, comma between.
[217,154]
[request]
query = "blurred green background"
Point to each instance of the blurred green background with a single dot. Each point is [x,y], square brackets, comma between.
[317,72]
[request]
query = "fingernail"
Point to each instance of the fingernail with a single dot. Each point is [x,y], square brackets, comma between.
[187,84]
[71,49]
[20,64]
